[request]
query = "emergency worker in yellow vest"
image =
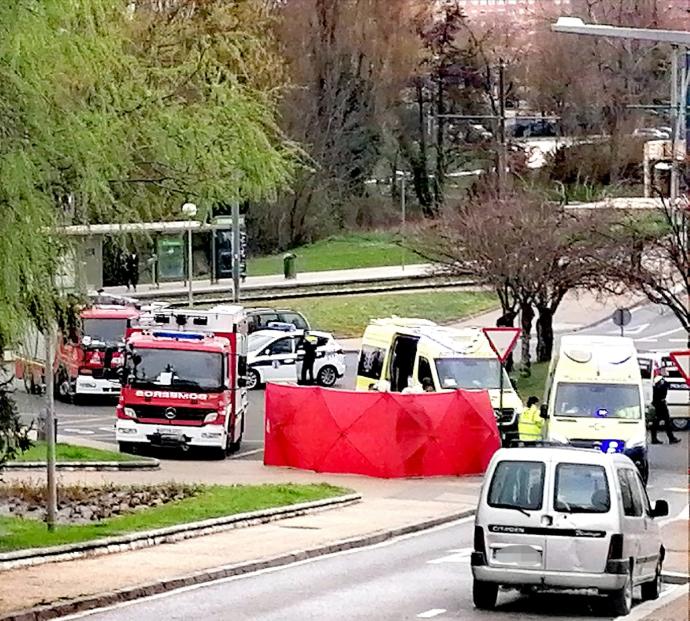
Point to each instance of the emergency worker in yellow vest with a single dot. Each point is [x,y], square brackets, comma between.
[531,424]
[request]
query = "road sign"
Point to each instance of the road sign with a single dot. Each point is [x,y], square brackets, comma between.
[622,317]
[502,340]
[682,360]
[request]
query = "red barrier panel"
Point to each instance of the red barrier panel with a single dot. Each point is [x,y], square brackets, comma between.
[379,434]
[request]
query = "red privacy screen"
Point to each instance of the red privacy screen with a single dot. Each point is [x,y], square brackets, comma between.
[379,434]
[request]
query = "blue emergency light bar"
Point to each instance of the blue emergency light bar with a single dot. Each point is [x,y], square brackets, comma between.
[612,446]
[181,336]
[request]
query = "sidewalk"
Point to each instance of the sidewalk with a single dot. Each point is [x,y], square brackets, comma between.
[386,505]
[253,283]
[578,310]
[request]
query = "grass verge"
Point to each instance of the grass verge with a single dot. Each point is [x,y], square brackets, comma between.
[213,501]
[70,452]
[347,316]
[338,253]
[534,384]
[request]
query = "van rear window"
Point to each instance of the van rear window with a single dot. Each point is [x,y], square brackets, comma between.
[517,485]
[581,488]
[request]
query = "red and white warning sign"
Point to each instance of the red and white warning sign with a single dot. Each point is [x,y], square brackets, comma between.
[682,360]
[502,340]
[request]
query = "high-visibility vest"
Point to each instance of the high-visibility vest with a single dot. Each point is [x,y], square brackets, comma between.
[530,424]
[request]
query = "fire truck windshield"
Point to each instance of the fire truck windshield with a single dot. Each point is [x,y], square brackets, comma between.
[191,370]
[105,330]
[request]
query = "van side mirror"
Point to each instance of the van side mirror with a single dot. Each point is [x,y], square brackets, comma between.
[660,509]
[543,411]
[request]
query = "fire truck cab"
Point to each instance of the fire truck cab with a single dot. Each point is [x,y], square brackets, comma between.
[183,383]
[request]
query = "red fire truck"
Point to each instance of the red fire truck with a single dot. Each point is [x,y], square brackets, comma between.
[87,361]
[184,379]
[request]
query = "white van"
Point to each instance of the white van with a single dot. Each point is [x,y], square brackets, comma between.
[595,399]
[398,354]
[566,518]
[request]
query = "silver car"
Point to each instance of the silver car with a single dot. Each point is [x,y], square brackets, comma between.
[566,518]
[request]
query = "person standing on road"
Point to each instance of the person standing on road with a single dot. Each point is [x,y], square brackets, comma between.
[132,270]
[309,346]
[530,423]
[659,393]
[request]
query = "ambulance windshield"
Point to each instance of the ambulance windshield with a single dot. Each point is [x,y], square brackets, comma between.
[173,368]
[578,399]
[470,373]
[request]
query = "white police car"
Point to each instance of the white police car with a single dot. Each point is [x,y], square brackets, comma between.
[275,356]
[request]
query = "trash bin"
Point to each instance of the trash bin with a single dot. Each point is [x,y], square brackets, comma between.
[289,266]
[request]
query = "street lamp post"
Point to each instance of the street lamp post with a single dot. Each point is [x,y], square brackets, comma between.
[189,210]
[403,214]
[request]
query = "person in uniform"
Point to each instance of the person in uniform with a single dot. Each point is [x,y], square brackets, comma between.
[659,393]
[531,423]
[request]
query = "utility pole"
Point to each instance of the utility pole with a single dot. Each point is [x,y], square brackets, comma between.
[502,151]
[675,120]
[51,509]
[236,251]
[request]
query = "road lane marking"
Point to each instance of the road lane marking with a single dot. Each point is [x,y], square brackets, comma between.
[656,337]
[679,490]
[110,429]
[429,614]
[683,515]
[245,453]
[455,556]
[76,432]
[270,570]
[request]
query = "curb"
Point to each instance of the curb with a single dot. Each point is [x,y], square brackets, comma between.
[90,602]
[674,577]
[170,534]
[69,466]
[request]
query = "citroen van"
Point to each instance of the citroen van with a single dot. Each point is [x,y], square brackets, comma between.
[398,354]
[566,518]
[595,397]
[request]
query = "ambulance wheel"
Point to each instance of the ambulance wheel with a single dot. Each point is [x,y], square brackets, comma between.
[327,376]
[484,594]
[127,447]
[253,380]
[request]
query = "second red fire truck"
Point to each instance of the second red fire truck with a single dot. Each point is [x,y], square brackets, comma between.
[183,382]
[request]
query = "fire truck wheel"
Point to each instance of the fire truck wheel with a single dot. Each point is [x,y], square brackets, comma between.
[62,386]
[253,380]
[127,447]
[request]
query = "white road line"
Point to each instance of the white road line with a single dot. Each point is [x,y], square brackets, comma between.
[679,490]
[76,432]
[245,453]
[683,515]
[656,337]
[111,429]
[270,570]
[455,556]
[429,614]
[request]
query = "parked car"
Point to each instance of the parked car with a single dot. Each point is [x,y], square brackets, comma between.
[260,318]
[650,133]
[566,518]
[678,398]
[275,356]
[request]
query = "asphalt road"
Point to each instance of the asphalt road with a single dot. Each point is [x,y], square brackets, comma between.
[426,575]
[653,328]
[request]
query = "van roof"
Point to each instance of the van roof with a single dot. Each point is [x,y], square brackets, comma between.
[568,454]
[461,341]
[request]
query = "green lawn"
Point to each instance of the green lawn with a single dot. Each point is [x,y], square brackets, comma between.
[347,316]
[70,452]
[213,501]
[338,253]
[534,384]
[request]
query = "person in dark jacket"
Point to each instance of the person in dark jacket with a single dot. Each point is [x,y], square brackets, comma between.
[659,393]
[132,270]
[507,320]
[309,345]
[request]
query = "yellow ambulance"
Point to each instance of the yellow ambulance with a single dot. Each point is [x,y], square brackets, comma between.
[595,397]
[403,355]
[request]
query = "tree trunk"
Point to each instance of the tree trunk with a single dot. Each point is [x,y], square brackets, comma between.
[526,319]
[544,334]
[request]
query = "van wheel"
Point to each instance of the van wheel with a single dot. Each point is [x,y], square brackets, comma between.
[484,594]
[651,590]
[621,601]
